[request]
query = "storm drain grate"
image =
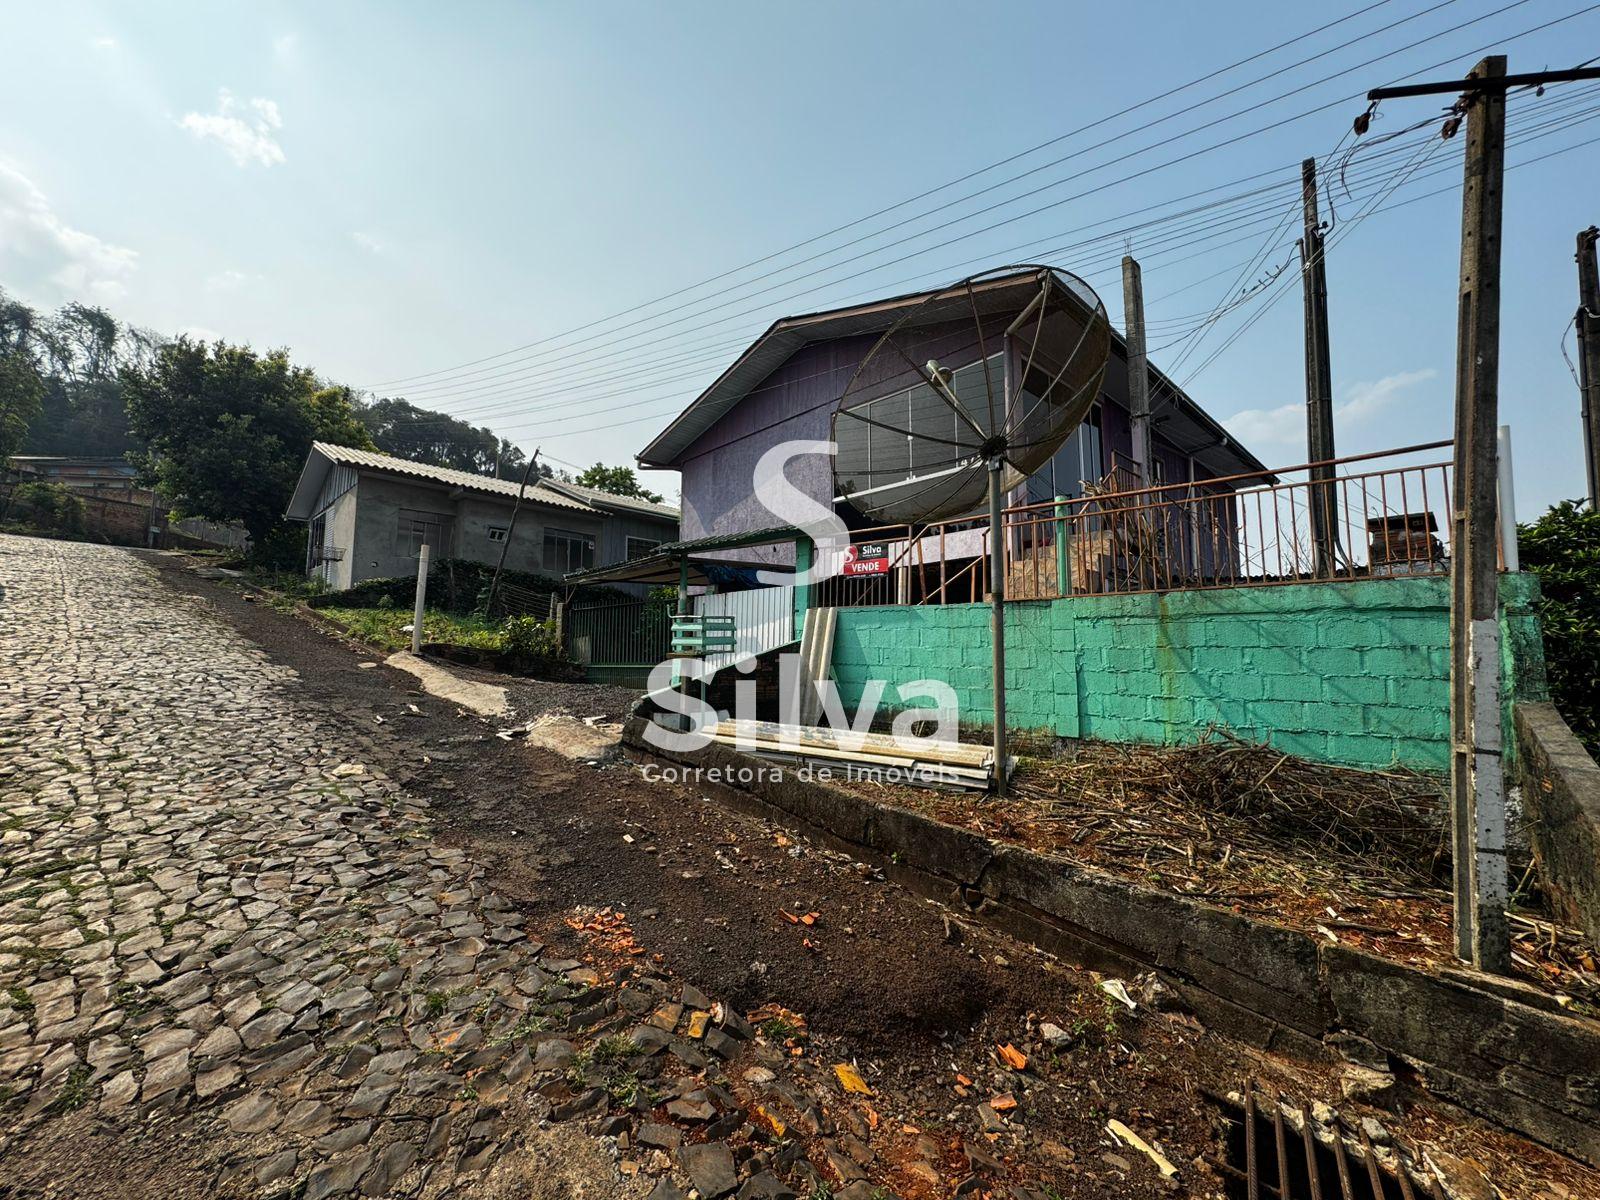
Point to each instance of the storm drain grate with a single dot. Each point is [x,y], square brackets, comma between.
[1271,1151]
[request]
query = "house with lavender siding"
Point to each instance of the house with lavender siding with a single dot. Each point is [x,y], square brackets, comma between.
[787,385]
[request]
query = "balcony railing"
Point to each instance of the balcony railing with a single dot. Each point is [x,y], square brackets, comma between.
[1360,517]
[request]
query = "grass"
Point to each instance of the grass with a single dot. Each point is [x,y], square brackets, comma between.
[382,627]
[75,1091]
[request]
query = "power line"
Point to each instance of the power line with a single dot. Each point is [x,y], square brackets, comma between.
[1021,154]
[574,352]
[1186,232]
[657,416]
[1057,182]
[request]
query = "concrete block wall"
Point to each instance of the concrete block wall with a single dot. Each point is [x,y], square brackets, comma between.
[1353,673]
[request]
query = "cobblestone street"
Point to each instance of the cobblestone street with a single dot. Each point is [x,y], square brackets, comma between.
[207,911]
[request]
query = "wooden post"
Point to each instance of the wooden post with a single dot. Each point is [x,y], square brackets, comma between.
[511,530]
[1138,365]
[1324,504]
[1477,786]
[421,603]
[1588,322]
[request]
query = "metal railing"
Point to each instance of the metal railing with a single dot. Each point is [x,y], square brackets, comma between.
[1359,517]
[630,633]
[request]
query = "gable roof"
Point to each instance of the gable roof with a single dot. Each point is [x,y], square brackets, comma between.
[611,500]
[324,456]
[1184,422]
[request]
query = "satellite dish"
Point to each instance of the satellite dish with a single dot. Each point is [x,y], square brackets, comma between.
[963,398]
[1001,366]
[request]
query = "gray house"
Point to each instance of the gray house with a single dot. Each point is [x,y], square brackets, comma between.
[370,513]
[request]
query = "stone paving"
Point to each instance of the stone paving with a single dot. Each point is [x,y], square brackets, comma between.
[205,909]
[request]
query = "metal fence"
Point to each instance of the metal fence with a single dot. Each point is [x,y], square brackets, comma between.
[632,633]
[1361,517]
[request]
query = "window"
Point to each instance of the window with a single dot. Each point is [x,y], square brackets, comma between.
[497,533]
[414,529]
[639,547]
[565,551]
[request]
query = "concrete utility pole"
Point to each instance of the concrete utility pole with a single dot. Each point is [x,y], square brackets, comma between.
[1138,365]
[511,529]
[1588,322]
[1324,501]
[1477,783]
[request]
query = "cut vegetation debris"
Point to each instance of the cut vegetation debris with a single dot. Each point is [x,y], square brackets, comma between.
[1358,855]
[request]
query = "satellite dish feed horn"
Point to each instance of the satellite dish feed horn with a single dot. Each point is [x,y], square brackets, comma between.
[965,396]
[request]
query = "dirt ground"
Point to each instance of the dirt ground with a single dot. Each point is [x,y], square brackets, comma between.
[919,1000]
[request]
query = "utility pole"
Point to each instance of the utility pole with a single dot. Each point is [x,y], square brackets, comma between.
[1477,779]
[1324,504]
[1138,365]
[511,529]
[1477,783]
[1588,322]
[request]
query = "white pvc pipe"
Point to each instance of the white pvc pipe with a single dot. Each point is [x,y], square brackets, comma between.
[1508,502]
[422,600]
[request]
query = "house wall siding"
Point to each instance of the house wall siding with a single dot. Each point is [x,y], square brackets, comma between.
[1350,673]
[375,554]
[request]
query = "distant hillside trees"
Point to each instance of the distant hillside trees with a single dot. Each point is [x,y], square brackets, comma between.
[75,354]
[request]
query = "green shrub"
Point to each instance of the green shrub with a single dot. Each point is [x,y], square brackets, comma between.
[49,508]
[1562,548]
[532,645]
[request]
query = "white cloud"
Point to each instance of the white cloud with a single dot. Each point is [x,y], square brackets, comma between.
[1284,428]
[247,131]
[33,236]
[368,242]
[104,43]
[230,280]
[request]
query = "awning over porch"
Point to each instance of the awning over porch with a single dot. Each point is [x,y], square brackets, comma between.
[664,564]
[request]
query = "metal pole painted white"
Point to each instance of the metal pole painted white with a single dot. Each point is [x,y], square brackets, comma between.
[422,600]
[1508,504]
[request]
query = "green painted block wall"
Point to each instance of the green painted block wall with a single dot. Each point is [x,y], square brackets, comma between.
[1354,673]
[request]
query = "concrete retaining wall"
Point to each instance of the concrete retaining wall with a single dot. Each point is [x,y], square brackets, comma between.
[1353,673]
[1561,795]
[1493,1046]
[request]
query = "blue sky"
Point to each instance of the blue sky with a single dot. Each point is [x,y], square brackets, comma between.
[395,190]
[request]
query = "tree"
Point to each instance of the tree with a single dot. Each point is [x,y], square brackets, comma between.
[227,430]
[77,353]
[619,481]
[1562,548]
[21,394]
[400,428]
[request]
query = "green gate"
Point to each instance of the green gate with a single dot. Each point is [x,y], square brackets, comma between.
[619,642]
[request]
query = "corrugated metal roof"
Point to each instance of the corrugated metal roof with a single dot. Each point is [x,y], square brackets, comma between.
[605,499]
[324,454]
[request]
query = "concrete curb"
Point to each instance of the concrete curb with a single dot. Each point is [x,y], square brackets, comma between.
[1561,792]
[1494,1046]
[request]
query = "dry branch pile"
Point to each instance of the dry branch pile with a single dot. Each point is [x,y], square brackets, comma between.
[1353,856]
[1238,795]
